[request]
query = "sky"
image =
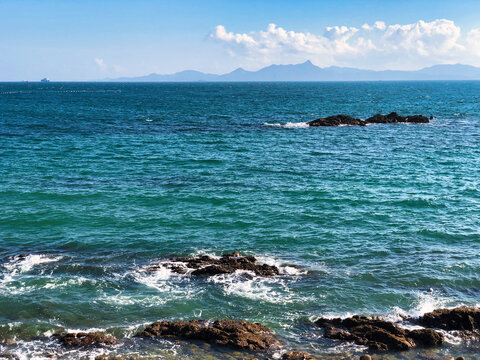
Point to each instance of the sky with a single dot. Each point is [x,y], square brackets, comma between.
[85,40]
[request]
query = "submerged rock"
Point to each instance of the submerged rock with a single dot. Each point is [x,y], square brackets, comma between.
[117,357]
[85,339]
[461,318]
[395,118]
[205,265]
[365,357]
[297,355]
[337,120]
[232,333]
[9,356]
[378,334]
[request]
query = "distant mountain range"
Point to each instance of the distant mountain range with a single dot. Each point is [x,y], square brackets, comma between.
[309,72]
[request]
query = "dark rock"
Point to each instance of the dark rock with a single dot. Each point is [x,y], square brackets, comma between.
[427,337]
[116,357]
[231,333]
[461,318]
[9,356]
[337,120]
[378,334]
[297,355]
[395,118]
[365,357]
[208,266]
[85,339]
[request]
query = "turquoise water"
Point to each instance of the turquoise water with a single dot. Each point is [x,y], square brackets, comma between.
[99,180]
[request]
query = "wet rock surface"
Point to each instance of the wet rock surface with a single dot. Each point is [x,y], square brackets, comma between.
[395,118]
[337,120]
[231,333]
[461,318]
[297,355]
[85,339]
[9,356]
[205,265]
[378,334]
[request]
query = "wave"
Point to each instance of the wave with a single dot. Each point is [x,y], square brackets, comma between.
[289,125]
[246,284]
[19,265]
[26,262]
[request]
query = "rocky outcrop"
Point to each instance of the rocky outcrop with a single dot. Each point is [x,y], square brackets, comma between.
[9,356]
[85,339]
[337,120]
[378,334]
[117,357]
[297,355]
[209,266]
[461,318]
[395,118]
[341,120]
[231,333]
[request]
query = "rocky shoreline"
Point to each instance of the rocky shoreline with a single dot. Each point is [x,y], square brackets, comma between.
[375,334]
[345,120]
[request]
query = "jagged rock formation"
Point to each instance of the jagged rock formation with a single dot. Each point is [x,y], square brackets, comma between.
[232,333]
[85,339]
[209,266]
[378,334]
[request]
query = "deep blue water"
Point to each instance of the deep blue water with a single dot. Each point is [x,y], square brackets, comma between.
[99,180]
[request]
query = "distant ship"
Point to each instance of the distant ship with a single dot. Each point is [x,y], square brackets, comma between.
[45,80]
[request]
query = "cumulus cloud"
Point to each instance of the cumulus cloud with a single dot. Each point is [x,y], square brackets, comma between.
[376,45]
[100,63]
[473,41]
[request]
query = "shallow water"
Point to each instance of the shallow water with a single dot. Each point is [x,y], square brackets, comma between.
[99,180]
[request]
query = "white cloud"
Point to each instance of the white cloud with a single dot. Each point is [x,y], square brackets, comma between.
[473,41]
[100,63]
[373,46]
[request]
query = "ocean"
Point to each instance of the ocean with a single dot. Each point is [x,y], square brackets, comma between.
[100,180]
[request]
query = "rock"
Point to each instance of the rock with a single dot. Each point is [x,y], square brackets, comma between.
[461,318]
[395,118]
[297,355]
[232,333]
[337,120]
[85,339]
[116,357]
[427,337]
[461,358]
[378,334]
[9,356]
[365,357]
[208,266]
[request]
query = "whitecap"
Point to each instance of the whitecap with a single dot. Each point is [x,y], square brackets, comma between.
[25,263]
[246,284]
[288,125]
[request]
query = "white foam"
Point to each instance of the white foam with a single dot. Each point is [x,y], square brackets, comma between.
[23,264]
[246,284]
[20,266]
[289,125]
[290,270]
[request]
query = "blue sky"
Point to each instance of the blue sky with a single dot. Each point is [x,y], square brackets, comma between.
[86,40]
